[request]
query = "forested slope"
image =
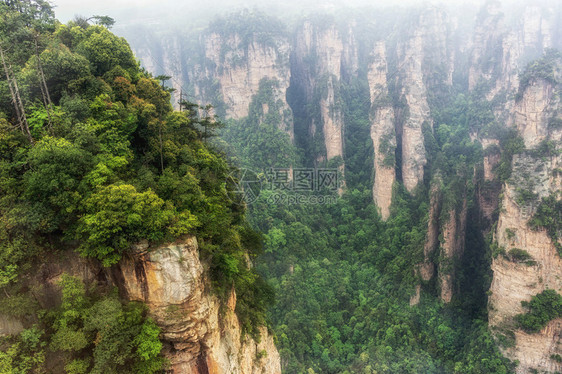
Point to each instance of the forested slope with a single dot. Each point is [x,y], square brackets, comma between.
[96,167]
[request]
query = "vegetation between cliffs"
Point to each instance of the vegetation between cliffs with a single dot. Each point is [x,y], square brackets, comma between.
[93,158]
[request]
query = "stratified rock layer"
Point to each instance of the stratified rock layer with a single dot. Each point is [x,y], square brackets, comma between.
[204,335]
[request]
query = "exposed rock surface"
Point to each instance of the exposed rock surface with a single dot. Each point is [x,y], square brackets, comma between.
[201,334]
[415,94]
[427,268]
[10,325]
[405,75]
[532,112]
[500,51]
[382,131]
[423,49]
[452,248]
[320,54]
[238,66]
[204,336]
[514,282]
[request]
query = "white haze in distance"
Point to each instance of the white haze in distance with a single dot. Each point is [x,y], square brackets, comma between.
[184,11]
[189,15]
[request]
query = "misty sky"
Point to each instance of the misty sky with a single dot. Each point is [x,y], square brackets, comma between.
[135,11]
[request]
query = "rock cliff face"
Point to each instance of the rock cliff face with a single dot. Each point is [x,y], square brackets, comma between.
[203,336]
[514,281]
[320,56]
[500,51]
[452,248]
[233,68]
[531,114]
[382,131]
[425,47]
[446,227]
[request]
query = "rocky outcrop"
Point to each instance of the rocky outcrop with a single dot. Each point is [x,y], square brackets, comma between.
[332,121]
[488,186]
[427,268]
[233,69]
[446,227]
[415,95]
[319,57]
[406,75]
[499,53]
[516,281]
[532,112]
[382,131]
[418,54]
[202,335]
[452,248]
[501,50]
[494,50]
[536,350]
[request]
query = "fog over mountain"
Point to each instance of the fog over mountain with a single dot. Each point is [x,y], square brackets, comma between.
[183,12]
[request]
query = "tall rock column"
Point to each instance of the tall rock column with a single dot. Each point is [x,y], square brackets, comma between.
[415,95]
[382,131]
[452,247]
[322,60]
[425,46]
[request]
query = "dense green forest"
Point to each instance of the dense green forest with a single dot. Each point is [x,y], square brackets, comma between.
[343,278]
[94,159]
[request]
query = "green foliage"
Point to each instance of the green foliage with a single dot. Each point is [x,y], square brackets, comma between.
[24,353]
[342,277]
[548,216]
[104,51]
[110,163]
[358,143]
[525,196]
[261,139]
[547,68]
[388,150]
[116,338]
[511,143]
[118,215]
[52,184]
[543,308]
[521,255]
[248,26]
